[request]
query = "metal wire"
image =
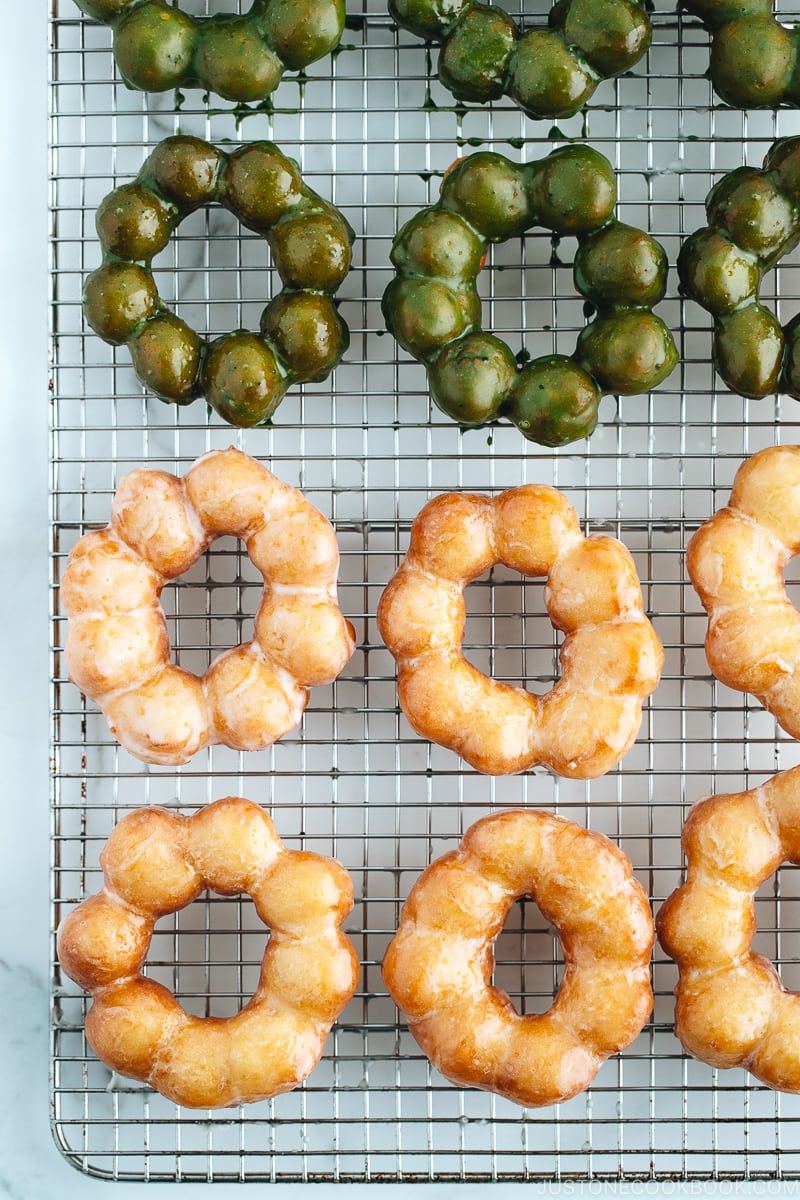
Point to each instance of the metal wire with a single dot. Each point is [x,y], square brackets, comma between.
[374,131]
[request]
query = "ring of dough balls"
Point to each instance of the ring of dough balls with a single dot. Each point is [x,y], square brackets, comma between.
[611,657]
[158,46]
[732,1009]
[242,375]
[439,965]
[117,648]
[157,862]
[736,562]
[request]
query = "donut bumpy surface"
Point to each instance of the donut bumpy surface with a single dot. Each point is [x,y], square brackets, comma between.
[158,47]
[242,375]
[549,71]
[157,862]
[117,649]
[736,562]
[433,309]
[732,1009]
[753,57]
[439,965]
[611,658]
[753,221]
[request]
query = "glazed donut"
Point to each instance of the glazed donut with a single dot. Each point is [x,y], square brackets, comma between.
[611,657]
[439,964]
[159,47]
[433,309]
[242,375]
[116,646]
[753,221]
[753,56]
[550,70]
[732,1009]
[736,562]
[157,862]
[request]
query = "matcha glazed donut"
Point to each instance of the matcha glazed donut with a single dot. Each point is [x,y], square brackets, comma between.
[242,375]
[753,57]
[548,71]
[433,309]
[158,47]
[753,221]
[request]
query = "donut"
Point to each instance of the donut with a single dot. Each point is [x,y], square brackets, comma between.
[116,646]
[753,56]
[242,375]
[753,221]
[736,562]
[550,70]
[157,862]
[611,657]
[439,965]
[731,1008]
[158,46]
[433,310]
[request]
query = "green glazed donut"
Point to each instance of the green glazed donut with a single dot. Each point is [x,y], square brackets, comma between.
[754,59]
[159,47]
[549,71]
[433,310]
[242,375]
[753,221]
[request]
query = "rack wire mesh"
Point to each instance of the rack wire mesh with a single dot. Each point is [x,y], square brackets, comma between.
[374,131]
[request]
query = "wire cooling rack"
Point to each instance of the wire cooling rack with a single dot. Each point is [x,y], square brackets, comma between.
[374,131]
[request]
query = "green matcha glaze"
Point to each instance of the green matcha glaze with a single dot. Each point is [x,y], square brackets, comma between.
[748,351]
[612,34]
[754,59]
[433,310]
[474,57]
[548,71]
[753,220]
[489,192]
[471,378]
[242,375]
[241,58]
[554,401]
[548,79]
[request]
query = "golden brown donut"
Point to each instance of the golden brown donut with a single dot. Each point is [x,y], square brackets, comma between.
[732,1009]
[611,658]
[439,964]
[157,862]
[117,649]
[736,562]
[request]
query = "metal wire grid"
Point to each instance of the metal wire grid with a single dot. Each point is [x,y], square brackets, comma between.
[374,131]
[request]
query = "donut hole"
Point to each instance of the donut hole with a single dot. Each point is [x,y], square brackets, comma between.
[528,959]
[791,579]
[214,274]
[528,282]
[777,936]
[508,634]
[209,954]
[211,607]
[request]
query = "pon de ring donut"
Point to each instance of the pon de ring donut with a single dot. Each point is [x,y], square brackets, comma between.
[732,1009]
[439,965]
[117,648]
[611,657]
[736,561]
[753,221]
[158,47]
[433,310]
[157,862]
[242,375]
[548,71]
